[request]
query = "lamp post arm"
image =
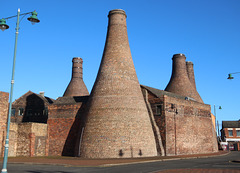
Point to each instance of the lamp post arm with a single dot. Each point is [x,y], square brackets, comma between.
[234,73]
[4,169]
[17,15]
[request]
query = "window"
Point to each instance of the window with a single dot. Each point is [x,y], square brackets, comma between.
[13,112]
[158,109]
[20,111]
[230,132]
[45,111]
[29,112]
[238,132]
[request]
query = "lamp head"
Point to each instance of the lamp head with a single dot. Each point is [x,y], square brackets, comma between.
[34,18]
[230,76]
[3,24]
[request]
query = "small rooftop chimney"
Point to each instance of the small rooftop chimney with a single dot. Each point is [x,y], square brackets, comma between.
[117,123]
[180,82]
[76,87]
[41,93]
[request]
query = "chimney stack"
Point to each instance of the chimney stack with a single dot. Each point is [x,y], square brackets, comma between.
[190,73]
[76,87]
[180,82]
[117,124]
[41,93]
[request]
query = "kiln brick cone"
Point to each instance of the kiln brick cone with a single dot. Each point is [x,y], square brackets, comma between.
[76,87]
[180,82]
[190,73]
[117,123]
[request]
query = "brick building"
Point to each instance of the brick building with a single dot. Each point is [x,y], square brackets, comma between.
[65,114]
[120,118]
[65,118]
[3,119]
[31,107]
[185,126]
[230,133]
[28,129]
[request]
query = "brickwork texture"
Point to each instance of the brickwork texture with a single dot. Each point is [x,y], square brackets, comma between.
[76,87]
[117,121]
[3,119]
[114,121]
[186,126]
[179,82]
[62,129]
[27,139]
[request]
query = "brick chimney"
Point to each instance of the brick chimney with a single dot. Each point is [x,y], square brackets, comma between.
[117,123]
[180,82]
[190,72]
[76,87]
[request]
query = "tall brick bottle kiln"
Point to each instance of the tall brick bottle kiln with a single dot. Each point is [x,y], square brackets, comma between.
[180,82]
[190,73]
[76,87]
[117,123]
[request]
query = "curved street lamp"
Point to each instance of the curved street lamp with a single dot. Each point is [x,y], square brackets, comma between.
[230,75]
[4,26]
[216,121]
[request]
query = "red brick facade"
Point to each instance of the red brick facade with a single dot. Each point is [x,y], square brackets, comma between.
[63,125]
[233,132]
[230,134]
[185,126]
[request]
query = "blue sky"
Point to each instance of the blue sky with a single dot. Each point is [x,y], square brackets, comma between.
[206,31]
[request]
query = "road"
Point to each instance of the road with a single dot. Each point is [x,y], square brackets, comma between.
[219,162]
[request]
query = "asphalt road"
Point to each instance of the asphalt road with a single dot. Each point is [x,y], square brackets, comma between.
[219,162]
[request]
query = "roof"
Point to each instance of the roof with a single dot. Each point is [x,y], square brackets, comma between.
[231,124]
[159,93]
[44,98]
[71,100]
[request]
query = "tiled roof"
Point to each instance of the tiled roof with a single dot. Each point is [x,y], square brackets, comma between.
[47,100]
[70,99]
[160,93]
[231,124]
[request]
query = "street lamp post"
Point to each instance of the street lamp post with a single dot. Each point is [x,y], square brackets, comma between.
[4,26]
[230,75]
[216,122]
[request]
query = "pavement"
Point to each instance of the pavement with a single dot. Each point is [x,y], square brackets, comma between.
[199,171]
[77,161]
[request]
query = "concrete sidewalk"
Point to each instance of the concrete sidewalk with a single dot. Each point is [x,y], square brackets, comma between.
[77,161]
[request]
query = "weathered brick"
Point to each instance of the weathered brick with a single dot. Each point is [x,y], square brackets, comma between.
[3,119]
[117,120]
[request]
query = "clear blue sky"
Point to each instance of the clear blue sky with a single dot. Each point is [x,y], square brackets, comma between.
[206,31]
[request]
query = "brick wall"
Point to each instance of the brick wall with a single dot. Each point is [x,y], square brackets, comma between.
[3,119]
[234,132]
[13,139]
[63,127]
[186,126]
[189,127]
[27,139]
